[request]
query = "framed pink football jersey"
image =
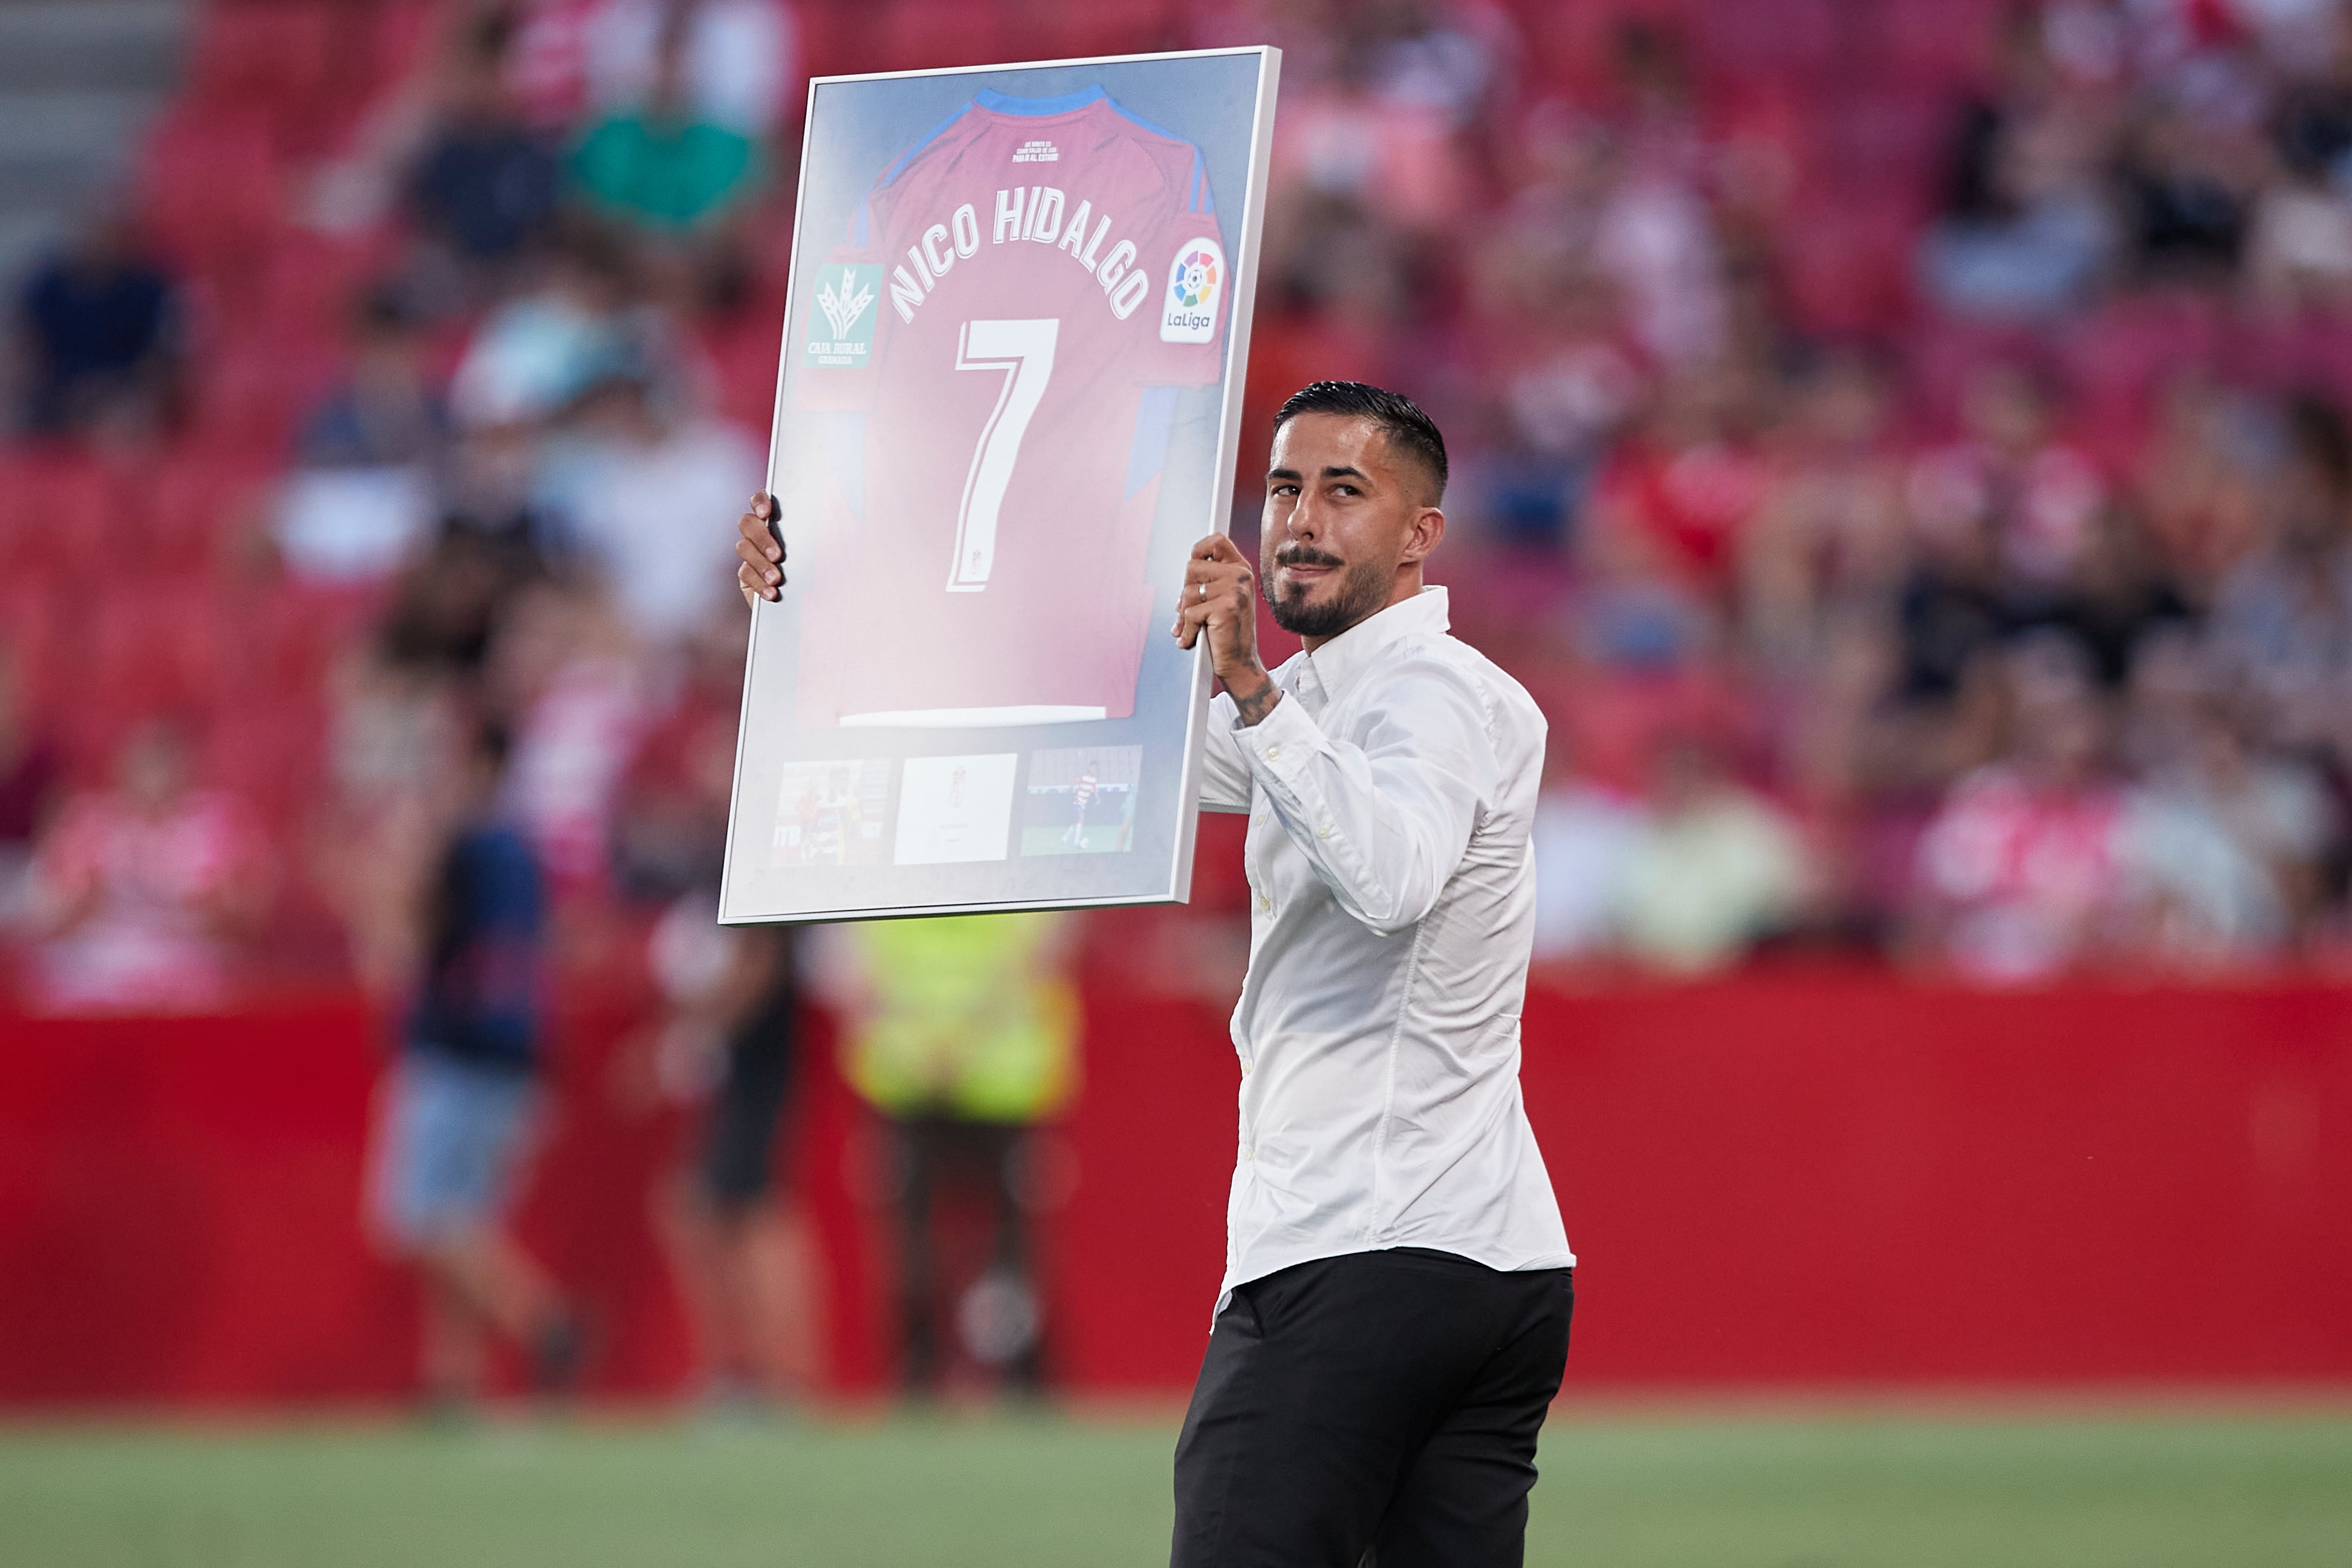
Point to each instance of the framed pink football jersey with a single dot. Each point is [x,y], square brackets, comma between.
[1041,272]
[1007,405]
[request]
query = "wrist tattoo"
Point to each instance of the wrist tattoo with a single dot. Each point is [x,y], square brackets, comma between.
[1254,706]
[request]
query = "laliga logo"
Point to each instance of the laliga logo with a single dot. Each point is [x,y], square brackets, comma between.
[1196,279]
[842,308]
[1194,283]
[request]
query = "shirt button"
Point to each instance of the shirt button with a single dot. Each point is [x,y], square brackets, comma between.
[1272,752]
[1247,1153]
[1322,832]
[1264,904]
[1245,1069]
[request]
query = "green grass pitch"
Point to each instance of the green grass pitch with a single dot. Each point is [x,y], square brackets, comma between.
[1623,1487]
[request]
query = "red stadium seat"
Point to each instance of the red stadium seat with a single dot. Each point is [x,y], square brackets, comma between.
[2311,351]
[250,392]
[1886,138]
[1931,43]
[276,55]
[146,651]
[54,512]
[1845,267]
[268,754]
[210,189]
[1766,38]
[300,292]
[197,498]
[915,34]
[382,45]
[1942,356]
[2116,361]
[1074,29]
[742,351]
[831,39]
[32,639]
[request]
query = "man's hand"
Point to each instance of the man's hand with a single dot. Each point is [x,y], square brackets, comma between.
[1220,594]
[761,575]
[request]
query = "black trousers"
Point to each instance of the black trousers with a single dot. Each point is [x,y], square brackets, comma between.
[1378,1408]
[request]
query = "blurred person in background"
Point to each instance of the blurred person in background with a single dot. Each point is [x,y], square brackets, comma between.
[571,685]
[962,1033]
[2002,522]
[447,602]
[483,184]
[1713,867]
[98,334]
[580,60]
[2281,624]
[147,896]
[742,1252]
[1691,480]
[1583,835]
[360,501]
[2019,876]
[2189,170]
[658,164]
[2035,495]
[726,1042]
[2299,253]
[2199,492]
[573,322]
[636,480]
[387,412]
[2118,593]
[1830,535]
[458,1109]
[2220,845]
[30,777]
[394,735]
[2026,232]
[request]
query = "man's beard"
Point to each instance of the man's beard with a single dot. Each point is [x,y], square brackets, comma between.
[1363,591]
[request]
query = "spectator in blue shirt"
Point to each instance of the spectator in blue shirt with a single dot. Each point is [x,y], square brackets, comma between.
[462,1100]
[99,329]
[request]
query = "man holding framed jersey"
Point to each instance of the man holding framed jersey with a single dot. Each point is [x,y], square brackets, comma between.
[1394,1318]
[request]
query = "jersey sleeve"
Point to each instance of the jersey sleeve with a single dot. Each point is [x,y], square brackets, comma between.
[1194,278]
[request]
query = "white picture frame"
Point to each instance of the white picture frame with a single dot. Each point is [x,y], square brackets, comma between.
[908,745]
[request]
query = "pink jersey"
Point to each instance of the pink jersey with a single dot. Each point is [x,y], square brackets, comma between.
[1020,296]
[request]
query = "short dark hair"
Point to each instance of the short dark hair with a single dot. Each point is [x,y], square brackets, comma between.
[1412,432]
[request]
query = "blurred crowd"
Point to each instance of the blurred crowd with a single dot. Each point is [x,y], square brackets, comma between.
[1902,444]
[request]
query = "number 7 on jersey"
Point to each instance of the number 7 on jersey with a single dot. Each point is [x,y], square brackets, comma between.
[1025,350]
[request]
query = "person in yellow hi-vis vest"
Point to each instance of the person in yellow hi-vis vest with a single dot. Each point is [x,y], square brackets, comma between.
[962,1033]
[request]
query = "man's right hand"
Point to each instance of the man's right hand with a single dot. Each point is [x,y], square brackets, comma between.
[761,575]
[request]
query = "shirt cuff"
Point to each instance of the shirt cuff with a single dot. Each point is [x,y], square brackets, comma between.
[1281,743]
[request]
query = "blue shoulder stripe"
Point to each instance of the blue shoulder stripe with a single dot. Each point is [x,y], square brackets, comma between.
[1197,197]
[1006,103]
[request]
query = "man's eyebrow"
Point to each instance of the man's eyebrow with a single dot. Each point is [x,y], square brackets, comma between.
[1346,473]
[1282,473]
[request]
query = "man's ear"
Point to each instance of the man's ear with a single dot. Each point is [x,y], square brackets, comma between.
[1428,530]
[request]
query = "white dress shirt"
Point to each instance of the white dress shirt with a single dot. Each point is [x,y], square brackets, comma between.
[1392,890]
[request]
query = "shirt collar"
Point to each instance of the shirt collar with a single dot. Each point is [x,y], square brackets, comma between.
[1338,662]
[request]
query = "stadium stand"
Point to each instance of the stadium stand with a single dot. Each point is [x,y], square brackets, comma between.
[1625,251]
